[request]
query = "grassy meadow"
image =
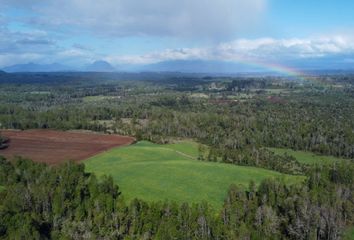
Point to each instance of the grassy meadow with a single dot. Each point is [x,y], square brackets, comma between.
[157,172]
[306,157]
[349,234]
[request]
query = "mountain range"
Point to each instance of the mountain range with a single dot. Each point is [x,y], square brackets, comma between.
[198,66]
[97,66]
[187,66]
[183,66]
[33,67]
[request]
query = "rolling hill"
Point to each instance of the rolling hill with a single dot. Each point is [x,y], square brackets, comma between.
[157,172]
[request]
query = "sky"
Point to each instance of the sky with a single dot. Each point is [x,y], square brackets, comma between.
[300,33]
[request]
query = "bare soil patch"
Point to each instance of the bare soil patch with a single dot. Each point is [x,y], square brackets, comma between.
[54,147]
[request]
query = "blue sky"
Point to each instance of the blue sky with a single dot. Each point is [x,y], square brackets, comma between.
[125,32]
[300,18]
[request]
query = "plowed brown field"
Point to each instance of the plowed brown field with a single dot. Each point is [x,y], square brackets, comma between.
[54,147]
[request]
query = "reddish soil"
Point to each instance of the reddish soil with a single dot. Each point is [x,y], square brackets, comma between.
[54,147]
[275,99]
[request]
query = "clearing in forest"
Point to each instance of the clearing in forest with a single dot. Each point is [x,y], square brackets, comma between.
[156,172]
[306,157]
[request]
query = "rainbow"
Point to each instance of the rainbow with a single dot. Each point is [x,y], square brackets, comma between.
[274,67]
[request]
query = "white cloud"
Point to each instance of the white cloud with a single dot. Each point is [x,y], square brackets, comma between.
[174,18]
[9,59]
[23,47]
[39,46]
[289,48]
[77,55]
[166,55]
[263,49]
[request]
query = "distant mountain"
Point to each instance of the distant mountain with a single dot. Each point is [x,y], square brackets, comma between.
[197,66]
[33,67]
[100,66]
[2,72]
[228,67]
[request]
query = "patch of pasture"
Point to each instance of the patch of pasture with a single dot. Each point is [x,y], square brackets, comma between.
[306,157]
[156,172]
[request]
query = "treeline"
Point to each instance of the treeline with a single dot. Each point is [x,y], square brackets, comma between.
[325,128]
[238,133]
[65,202]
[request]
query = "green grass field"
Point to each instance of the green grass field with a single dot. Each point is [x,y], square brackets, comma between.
[157,172]
[187,148]
[306,157]
[349,234]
